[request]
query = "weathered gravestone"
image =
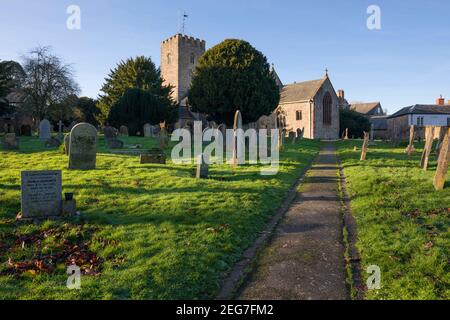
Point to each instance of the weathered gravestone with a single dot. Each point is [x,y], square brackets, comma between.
[154,155]
[148,130]
[82,147]
[163,138]
[300,133]
[66,144]
[238,141]
[442,166]
[10,141]
[410,149]
[123,130]
[202,167]
[45,132]
[111,138]
[442,133]
[41,194]
[365,146]
[429,138]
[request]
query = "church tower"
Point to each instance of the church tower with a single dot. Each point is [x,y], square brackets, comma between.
[179,57]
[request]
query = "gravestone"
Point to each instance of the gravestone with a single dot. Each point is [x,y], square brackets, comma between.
[66,144]
[300,133]
[82,147]
[10,142]
[110,132]
[202,167]
[148,130]
[123,130]
[154,155]
[111,138]
[429,138]
[442,165]
[45,130]
[60,130]
[281,138]
[237,143]
[163,138]
[41,194]
[292,136]
[365,146]
[410,149]
[442,132]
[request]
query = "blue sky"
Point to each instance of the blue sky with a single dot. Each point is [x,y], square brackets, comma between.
[406,62]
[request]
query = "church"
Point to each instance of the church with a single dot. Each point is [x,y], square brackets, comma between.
[310,106]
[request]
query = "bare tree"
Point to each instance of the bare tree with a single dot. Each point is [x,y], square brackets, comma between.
[48,81]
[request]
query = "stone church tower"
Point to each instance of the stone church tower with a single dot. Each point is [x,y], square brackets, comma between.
[179,57]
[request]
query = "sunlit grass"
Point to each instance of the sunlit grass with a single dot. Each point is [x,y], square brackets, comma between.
[174,236]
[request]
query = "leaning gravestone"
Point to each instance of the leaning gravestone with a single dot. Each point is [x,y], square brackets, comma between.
[82,147]
[41,194]
[45,132]
[163,138]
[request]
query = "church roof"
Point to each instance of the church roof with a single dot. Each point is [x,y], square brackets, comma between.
[422,109]
[364,108]
[276,77]
[302,91]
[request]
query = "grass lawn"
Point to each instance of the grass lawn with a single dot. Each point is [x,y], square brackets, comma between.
[403,223]
[145,232]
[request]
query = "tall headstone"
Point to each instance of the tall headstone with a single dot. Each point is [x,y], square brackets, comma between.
[202,167]
[41,194]
[83,147]
[410,149]
[60,130]
[442,165]
[365,146]
[148,130]
[45,132]
[429,138]
[163,138]
[123,130]
[237,142]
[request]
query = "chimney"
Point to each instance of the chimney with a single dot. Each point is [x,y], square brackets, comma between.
[341,94]
[440,101]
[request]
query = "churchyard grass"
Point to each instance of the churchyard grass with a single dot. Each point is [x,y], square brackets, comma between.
[158,232]
[403,223]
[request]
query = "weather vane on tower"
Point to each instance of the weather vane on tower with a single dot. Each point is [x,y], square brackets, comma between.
[183,23]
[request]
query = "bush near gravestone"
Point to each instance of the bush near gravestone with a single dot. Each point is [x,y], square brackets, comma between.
[137,107]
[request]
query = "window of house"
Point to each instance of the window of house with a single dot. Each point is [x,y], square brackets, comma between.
[298,115]
[420,121]
[192,58]
[448,122]
[327,107]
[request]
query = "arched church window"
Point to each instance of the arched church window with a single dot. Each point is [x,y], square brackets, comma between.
[327,107]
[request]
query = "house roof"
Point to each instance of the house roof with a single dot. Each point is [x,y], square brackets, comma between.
[302,91]
[364,108]
[422,109]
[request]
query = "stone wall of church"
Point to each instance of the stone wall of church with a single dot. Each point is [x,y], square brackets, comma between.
[179,57]
[289,113]
[321,130]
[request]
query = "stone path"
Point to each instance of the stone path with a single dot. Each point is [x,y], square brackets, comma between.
[305,259]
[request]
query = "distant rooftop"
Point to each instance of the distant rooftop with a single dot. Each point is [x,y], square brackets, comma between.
[422,109]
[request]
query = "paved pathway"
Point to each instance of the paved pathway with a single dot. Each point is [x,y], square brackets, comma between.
[305,259]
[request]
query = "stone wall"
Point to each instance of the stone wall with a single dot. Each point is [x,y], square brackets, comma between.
[179,57]
[322,131]
[289,111]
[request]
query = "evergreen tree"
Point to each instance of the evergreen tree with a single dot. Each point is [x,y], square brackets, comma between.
[230,76]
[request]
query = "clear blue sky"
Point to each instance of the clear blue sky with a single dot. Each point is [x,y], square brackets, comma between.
[406,62]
